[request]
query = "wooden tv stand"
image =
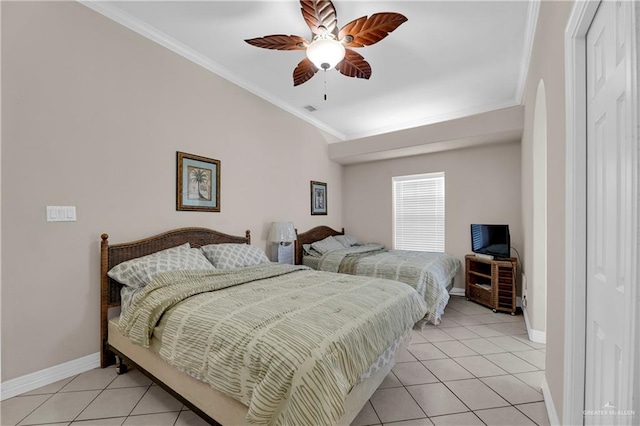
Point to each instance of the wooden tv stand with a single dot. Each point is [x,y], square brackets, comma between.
[491,282]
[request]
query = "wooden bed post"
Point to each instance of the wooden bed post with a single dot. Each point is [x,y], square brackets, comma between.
[106,357]
[297,249]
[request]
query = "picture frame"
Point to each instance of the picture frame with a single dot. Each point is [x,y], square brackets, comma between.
[318,198]
[197,183]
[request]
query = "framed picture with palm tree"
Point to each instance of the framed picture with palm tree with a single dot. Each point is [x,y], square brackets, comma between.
[198,183]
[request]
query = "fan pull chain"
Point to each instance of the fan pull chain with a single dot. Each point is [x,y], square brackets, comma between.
[325,84]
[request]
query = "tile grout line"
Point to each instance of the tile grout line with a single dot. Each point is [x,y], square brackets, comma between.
[525,414]
[40,405]
[507,401]
[441,382]
[43,402]
[91,402]
[480,379]
[374,409]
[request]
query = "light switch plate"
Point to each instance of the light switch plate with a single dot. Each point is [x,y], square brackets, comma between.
[61,213]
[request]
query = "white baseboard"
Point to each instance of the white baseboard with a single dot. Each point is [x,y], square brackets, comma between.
[35,380]
[534,335]
[548,403]
[456,291]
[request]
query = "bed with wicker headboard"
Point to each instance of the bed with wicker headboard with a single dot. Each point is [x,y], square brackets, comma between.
[430,273]
[176,383]
[113,254]
[211,404]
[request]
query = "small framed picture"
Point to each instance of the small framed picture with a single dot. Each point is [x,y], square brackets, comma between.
[198,183]
[318,198]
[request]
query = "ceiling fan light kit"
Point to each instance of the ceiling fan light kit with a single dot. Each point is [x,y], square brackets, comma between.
[329,47]
[325,52]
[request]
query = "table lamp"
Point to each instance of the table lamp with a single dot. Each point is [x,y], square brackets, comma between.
[282,233]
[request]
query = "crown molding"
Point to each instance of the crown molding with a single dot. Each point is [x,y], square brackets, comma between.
[115,13]
[527,47]
[125,19]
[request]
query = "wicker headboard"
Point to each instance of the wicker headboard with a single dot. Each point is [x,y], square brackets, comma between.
[311,236]
[111,255]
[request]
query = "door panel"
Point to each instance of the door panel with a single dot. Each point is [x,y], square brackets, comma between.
[609,369]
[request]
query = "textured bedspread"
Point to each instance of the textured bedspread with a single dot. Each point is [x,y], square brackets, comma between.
[428,272]
[288,342]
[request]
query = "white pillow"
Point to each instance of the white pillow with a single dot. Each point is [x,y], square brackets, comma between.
[346,240]
[327,245]
[228,255]
[141,271]
[309,251]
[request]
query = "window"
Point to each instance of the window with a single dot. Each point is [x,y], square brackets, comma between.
[418,212]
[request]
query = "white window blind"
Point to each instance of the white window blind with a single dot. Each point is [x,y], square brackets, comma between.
[418,212]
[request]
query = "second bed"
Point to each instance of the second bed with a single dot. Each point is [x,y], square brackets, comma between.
[430,273]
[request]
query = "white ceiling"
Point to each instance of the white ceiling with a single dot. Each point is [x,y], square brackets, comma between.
[451,59]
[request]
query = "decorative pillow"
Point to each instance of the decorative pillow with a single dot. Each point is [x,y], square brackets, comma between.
[346,240]
[141,271]
[227,256]
[327,245]
[310,251]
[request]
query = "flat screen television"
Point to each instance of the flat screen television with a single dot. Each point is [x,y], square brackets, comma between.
[491,239]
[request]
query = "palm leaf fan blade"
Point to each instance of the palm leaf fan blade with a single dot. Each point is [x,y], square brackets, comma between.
[279,42]
[367,31]
[354,65]
[303,72]
[319,13]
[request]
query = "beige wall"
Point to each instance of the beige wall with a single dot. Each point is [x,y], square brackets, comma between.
[482,185]
[547,63]
[93,116]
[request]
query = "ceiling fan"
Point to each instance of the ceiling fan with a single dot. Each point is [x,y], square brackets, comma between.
[329,47]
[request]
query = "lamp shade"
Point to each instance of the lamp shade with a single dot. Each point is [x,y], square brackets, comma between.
[325,53]
[282,232]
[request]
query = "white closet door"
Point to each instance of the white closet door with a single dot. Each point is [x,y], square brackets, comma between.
[610,173]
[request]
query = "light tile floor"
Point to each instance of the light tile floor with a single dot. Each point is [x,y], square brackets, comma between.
[476,368]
